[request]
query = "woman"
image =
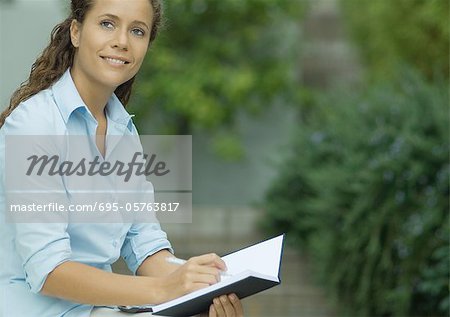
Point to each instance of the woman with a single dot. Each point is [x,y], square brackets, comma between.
[79,85]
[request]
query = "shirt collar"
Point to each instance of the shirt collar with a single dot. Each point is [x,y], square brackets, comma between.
[68,100]
[117,112]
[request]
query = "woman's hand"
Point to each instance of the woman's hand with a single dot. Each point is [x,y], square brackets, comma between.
[226,306]
[198,272]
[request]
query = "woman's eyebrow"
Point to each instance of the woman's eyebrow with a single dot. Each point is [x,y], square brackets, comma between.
[115,17]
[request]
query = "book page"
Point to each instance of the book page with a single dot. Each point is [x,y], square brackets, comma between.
[263,258]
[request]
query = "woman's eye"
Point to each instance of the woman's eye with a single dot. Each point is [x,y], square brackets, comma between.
[138,32]
[107,24]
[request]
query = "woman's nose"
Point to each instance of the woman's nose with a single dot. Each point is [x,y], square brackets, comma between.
[121,40]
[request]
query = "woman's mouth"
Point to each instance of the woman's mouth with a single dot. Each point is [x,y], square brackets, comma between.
[115,60]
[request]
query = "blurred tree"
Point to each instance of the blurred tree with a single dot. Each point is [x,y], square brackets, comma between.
[415,32]
[214,59]
[366,191]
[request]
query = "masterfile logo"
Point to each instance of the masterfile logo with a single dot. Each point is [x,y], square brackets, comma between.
[65,178]
[137,166]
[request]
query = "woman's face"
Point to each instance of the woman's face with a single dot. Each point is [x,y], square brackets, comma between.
[112,41]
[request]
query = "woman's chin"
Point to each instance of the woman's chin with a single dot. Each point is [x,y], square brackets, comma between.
[114,80]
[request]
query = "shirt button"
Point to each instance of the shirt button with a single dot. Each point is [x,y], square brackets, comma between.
[114,243]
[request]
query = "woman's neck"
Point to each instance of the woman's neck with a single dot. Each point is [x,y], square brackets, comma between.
[93,94]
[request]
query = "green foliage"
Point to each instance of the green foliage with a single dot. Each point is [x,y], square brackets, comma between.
[415,32]
[366,191]
[214,59]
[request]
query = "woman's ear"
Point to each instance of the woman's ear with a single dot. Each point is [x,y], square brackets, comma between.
[75,33]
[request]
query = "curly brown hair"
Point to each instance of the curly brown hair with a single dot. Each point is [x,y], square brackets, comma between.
[59,54]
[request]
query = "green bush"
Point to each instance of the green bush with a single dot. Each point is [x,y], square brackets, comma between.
[413,32]
[365,191]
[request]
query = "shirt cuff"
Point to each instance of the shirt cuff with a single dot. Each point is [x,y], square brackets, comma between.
[45,261]
[141,255]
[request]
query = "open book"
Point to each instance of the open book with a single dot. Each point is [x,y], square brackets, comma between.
[250,271]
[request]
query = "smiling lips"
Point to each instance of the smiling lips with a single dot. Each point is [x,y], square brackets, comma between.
[115,60]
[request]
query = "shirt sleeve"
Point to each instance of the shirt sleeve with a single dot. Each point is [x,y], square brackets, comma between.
[41,247]
[42,243]
[142,241]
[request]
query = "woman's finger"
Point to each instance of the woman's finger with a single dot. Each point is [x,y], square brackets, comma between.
[210,259]
[203,279]
[235,301]
[206,270]
[218,307]
[212,311]
[227,306]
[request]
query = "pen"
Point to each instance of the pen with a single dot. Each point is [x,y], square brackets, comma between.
[178,261]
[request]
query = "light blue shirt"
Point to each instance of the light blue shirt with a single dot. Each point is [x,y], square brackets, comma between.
[30,251]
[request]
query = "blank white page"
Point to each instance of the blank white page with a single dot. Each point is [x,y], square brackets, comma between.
[263,258]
